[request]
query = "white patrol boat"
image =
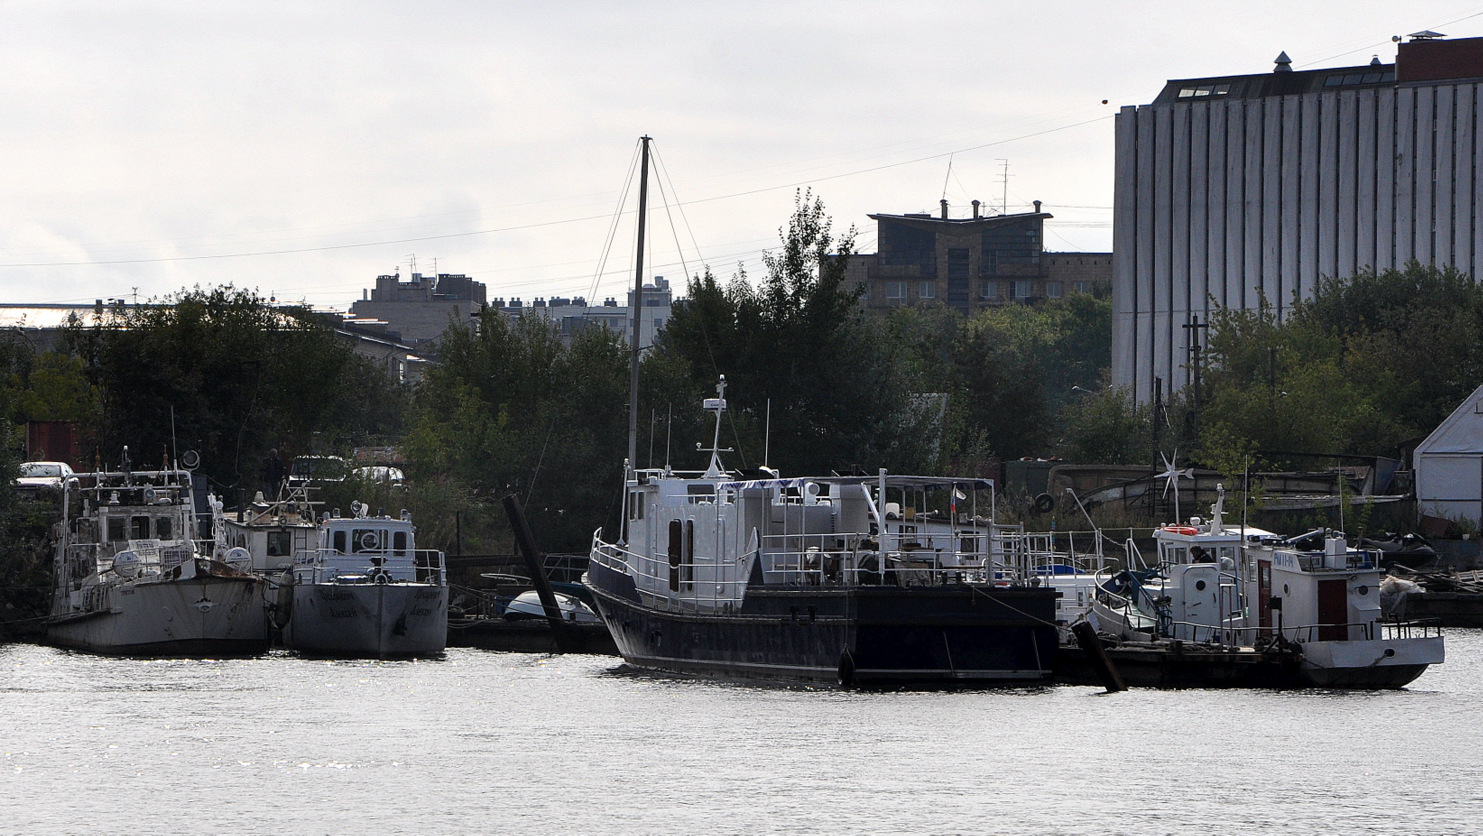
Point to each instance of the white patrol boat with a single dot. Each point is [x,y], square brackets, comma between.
[365,590]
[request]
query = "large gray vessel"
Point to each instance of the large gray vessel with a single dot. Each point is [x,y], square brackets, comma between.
[877,580]
[131,578]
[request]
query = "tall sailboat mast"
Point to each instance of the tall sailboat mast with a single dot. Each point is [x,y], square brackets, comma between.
[638,307]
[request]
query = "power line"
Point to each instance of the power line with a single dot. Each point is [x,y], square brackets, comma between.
[536,225]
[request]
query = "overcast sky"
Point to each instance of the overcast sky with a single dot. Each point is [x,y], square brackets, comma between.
[304,148]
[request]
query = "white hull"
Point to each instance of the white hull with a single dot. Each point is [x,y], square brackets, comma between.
[1379,663]
[200,616]
[368,619]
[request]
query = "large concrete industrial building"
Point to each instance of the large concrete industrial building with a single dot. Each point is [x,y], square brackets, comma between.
[1234,188]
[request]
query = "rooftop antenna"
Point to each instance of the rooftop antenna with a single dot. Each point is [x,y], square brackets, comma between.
[718,406]
[948,176]
[1004,197]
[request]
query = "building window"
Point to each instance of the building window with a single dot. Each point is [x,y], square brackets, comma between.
[1022,290]
[927,290]
[1082,287]
[1204,90]
[1016,243]
[1053,290]
[895,290]
[957,263]
[988,289]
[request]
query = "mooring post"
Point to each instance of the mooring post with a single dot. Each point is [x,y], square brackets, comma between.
[535,565]
[1086,637]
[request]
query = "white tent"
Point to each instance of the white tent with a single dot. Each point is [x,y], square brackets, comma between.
[1449,465]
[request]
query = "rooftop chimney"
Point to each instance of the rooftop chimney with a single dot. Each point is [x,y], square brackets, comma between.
[944,208]
[975,210]
[1284,64]
[1037,207]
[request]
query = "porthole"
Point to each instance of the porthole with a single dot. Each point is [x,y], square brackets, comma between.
[1363,590]
[1285,590]
[1199,586]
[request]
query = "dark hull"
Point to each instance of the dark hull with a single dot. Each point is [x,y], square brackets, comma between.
[529,636]
[1190,666]
[1175,665]
[864,636]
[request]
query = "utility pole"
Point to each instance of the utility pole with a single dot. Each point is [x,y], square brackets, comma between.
[1192,329]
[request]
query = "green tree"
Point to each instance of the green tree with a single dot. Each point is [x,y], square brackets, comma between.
[798,341]
[511,409]
[229,375]
[55,387]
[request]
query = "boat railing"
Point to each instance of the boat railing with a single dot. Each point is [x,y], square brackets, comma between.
[1350,560]
[611,555]
[873,560]
[1235,635]
[1041,553]
[323,565]
[1363,630]
[797,560]
[1422,628]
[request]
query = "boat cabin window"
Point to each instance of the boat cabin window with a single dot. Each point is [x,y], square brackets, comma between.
[139,528]
[636,505]
[701,493]
[115,528]
[676,552]
[687,569]
[162,528]
[280,543]
[367,540]
[399,542]
[338,541]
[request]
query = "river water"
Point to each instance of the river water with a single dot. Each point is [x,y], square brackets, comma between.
[483,742]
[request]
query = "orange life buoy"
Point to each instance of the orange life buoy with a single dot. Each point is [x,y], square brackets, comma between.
[1182,529]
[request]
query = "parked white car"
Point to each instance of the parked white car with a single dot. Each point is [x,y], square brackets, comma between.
[380,473]
[43,476]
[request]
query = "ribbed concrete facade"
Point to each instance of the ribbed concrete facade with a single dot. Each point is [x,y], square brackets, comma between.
[1219,200]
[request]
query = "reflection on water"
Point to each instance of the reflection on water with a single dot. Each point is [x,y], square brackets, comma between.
[481,742]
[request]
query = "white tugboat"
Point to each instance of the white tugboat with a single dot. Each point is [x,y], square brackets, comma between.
[1311,597]
[365,590]
[130,578]
[1317,593]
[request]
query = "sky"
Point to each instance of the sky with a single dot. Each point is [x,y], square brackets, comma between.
[302,149]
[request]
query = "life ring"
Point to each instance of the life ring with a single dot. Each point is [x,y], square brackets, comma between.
[1182,529]
[368,541]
